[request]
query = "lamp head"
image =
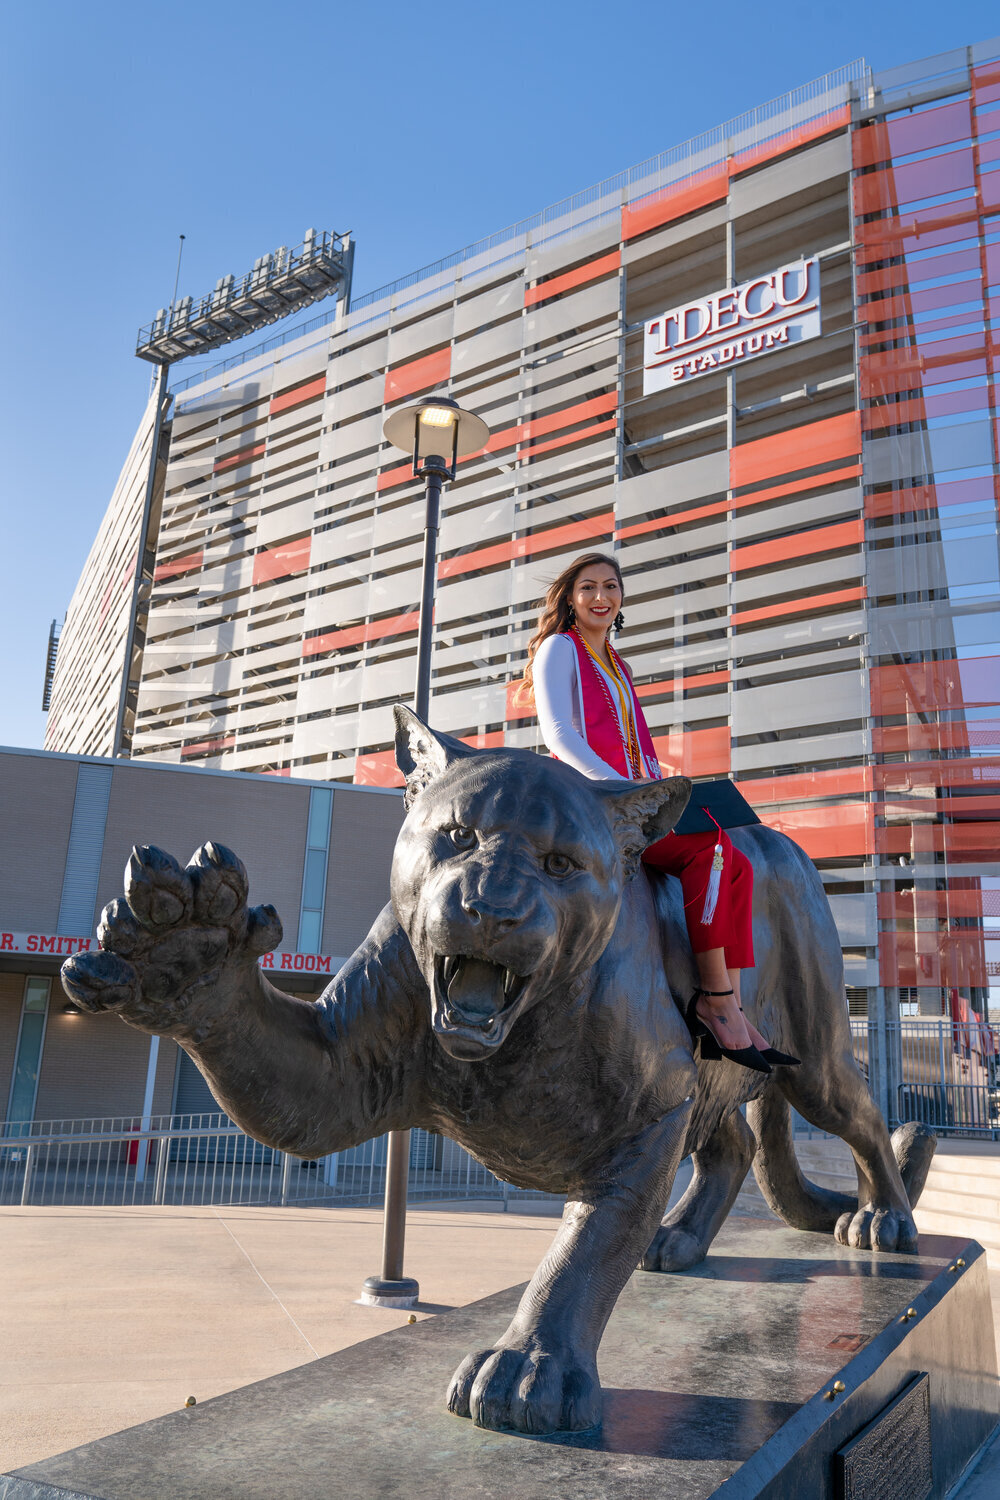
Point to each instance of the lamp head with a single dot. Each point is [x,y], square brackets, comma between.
[436,431]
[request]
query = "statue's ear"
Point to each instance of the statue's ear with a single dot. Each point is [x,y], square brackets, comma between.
[422,753]
[641,812]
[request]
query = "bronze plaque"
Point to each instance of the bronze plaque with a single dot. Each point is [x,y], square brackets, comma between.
[850,1342]
[890,1459]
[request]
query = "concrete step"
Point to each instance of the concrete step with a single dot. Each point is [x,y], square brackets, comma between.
[985,1232]
[947,1200]
[961,1196]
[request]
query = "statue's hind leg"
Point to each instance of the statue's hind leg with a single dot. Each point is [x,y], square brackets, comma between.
[683,1238]
[830,1092]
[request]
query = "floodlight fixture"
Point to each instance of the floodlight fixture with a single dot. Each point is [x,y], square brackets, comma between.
[280,283]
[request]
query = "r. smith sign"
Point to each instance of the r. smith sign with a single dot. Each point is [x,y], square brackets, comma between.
[715,333]
[54,945]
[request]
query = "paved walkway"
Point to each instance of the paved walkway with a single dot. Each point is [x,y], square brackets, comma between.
[112,1316]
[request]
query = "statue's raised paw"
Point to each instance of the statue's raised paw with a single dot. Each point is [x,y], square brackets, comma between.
[526,1391]
[176,939]
[873,1228]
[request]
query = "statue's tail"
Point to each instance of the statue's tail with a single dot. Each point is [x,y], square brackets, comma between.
[803,1204]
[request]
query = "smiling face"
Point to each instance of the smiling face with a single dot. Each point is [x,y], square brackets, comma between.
[596,596]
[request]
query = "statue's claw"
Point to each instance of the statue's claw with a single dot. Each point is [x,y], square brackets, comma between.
[158,891]
[220,883]
[100,981]
[526,1391]
[872,1228]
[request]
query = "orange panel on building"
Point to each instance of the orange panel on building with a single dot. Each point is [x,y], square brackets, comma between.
[669,685]
[354,635]
[932,959]
[280,562]
[569,279]
[807,785]
[790,140]
[208,747]
[968,843]
[298,396]
[695,752]
[585,434]
[675,202]
[568,416]
[378,769]
[803,447]
[178,565]
[419,375]
[916,687]
[241,456]
[518,706]
[799,544]
[907,906]
[842,832]
[800,606]
[591,529]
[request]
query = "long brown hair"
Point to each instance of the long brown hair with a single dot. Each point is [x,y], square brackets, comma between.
[554,618]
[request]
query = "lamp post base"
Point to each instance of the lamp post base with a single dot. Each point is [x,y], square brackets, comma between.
[379,1291]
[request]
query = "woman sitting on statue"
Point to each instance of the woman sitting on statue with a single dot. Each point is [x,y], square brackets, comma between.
[590,717]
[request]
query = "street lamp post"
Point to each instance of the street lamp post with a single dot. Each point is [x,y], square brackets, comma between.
[438,433]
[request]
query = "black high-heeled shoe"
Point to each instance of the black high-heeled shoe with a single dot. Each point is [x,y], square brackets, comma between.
[779,1059]
[711,1048]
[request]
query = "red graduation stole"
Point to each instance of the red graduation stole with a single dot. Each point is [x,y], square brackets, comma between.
[603,731]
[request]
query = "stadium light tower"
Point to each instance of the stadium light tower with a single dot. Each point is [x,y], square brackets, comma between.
[279,284]
[438,433]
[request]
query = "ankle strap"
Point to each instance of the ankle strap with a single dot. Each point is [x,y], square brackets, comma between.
[715,993]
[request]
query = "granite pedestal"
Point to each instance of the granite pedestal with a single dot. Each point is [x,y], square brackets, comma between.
[717,1381]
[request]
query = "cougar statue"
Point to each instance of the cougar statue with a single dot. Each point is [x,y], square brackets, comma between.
[518,995]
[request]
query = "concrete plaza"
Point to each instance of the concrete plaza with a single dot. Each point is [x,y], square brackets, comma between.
[112,1316]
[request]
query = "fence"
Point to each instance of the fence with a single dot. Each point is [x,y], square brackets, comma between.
[206,1159]
[938,1071]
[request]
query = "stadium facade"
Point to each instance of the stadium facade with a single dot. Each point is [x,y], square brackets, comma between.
[763,368]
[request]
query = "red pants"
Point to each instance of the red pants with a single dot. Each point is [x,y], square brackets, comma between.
[689,857]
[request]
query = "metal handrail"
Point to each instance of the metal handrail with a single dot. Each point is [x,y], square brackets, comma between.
[109,1137]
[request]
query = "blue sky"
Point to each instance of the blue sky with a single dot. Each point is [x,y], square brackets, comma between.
[420,129]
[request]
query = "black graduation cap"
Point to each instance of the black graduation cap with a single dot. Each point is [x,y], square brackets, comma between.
[723,800]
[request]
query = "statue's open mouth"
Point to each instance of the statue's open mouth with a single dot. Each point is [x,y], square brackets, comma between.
[473,999]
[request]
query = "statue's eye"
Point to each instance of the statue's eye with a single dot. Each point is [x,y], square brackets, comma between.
[463,838]
[558,864]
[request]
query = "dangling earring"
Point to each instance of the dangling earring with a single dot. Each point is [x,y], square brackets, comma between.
[570,615]
[619,622]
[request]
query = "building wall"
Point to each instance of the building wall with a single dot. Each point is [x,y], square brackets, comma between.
[11,995]
[90,666]
[94,1066]
[36,813]
[926,202]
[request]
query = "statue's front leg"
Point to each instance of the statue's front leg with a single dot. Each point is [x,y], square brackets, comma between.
[541,1376]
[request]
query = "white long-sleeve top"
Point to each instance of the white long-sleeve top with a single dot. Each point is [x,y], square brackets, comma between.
[559,705]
